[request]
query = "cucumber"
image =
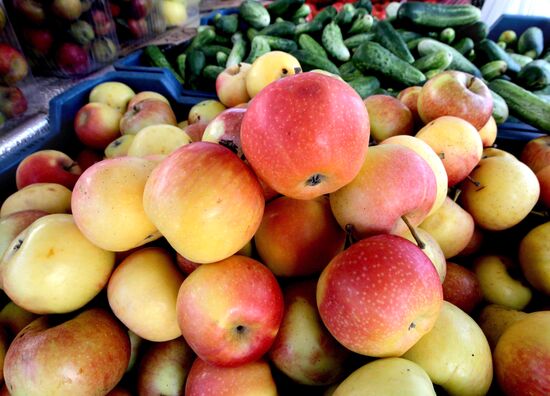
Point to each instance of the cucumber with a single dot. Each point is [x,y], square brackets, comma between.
[493,69]
[508,37]
[356,40]
[365,85]
[318,22]
[440,59]
[221,58]
[237,51]
[180,63]
[413,44]
[258,47]
[502,45]
[333,42]
[447,35]
[372,57]
[531,42]
[279,8]
[487,50]
[408,35]
[522,60]
[279,29]
[196,60]
[310,61]
[477,31]
[464,45]
[303,11]
[226,24]
[279,43]
[202,38]
[392,8]
[211,50]
[427,46]
[349,72]
[158,59]
[535,75]
[251,33]
[308,43]
[432,73]
[345,16]
[361,24]
[432,15]
[385,35]
[523,104]
[210,72]
[500,108]
[222,40]
[254,13]
[364,4]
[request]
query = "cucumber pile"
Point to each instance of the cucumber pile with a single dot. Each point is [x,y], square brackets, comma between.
[417,41]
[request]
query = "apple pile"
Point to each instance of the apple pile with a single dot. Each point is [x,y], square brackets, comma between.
[139,19]
[303,239]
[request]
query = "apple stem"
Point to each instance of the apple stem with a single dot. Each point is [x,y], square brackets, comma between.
[416,237]
[543,213]
[457,194]
[350,239]
[441,155]
[474,182]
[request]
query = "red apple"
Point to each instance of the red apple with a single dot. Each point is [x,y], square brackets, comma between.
[409,97]
[39,39]
[380,296]
[461,287]
[119,391]
[97,124]
[32,10]
[13,65]
[141,96]
[393,182]
[72,59]
[103,25]
[306,134]
[388,117]
[138,27]
[543,177]
[87,157]
[85,355]
[249,379]
[536,153]
[186,266]
[140,8]
[231,85]
[304,349]
[298,237]
[12,101]
[145,113]
[195,131]
[47,166]
[225,129]
[229,312]
[458,94]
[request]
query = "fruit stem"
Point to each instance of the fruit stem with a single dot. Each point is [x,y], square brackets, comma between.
[457,194]
[474,182]
[416,237]
[350,239]
[543,213]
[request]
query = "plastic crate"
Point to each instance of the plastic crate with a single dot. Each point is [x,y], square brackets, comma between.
[63,109]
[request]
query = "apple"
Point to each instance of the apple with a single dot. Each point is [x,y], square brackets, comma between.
[543,176]
[164,367]
[231,85]
[13,65]
[40,40]
[174,12]
[84,355]
[96,125]
[38,270]
[451,226]
[107,203]
[119,391]
[463,363]
[522,356]
[103,24]
[489,132]
[195,131]
[119,147]
[72,59]
[104,50]
[505,193]
[67,9]
[205,111]
[47,197]
[13,318]
[494,319]
[140,96]
[269,67]
[12,224]
[458,94]
[140,8]
[314,238]
[249,379]
[388,117]
[304,349]
[498,286]
[431,249]
[186,266]
[296,151]
[394,181]
[536,153]
[82,32]
[205,201]
[409,97]
[138,27]
[144,113]
[145,285]
[12,102]
[229,312]
[47,166]
[159,139]
[112,93]
[426,152]
[388,376]
[534,257]
[462,288]
[457,143]
[225,129]
[87,157]
[379,296]
[32,10]
[475,244]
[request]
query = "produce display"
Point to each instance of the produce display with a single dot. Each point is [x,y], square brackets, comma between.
[413,43]
[137,20]
[65,37]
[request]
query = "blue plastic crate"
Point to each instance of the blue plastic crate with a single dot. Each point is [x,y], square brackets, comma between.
[519,23]
[205,20]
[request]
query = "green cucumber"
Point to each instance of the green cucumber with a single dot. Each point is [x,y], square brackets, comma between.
[432,73]
[202,38]
[385,35]
[196,60]
[279,43]
[310,61]
[251,33]
[356,40]
[535,75]
[345,16]
[487,50]
[318,22]
[493,69]
[211,50]
[211,72]
[303,11]
[372,57]
[477,31]
[349,72]
[364,4]
[254,13]
[361,24]
[440,59]
[508,36]
[221,58]
[447,35]
[365,85]
[279,8]
[464,45]
[308,43]
[531,42]
[158,59]
[408,35]
[279,29]
[238,50]
[258,47]
[427,46]
[333,42]
[226,24]
[432,15]
[180,63]
[523,104]
[500,108]
[413,44]
[522,60]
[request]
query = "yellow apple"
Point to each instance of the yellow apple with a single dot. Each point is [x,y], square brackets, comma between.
[431,249]
[112,93]
[269,67]
[205,111]
[534,257]
[494,319]
[48,197]
[159,139]
[119,147]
